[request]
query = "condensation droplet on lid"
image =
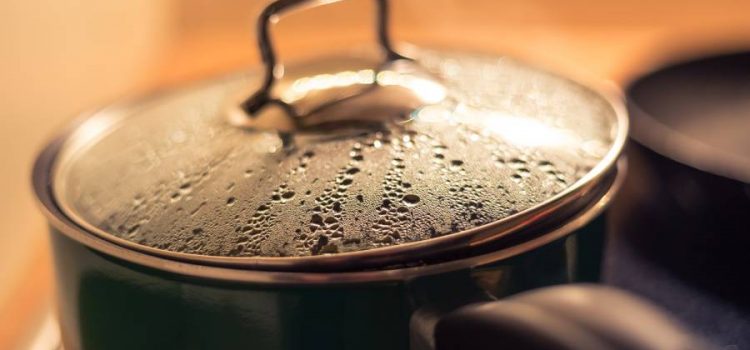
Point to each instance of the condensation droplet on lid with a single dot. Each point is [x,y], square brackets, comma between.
[133,230]
[456,165]
[516,163]
[316,219]
[411,199]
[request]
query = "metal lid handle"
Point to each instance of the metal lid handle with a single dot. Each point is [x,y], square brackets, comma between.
[262,97]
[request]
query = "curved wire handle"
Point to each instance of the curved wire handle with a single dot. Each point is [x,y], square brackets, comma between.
[261,97]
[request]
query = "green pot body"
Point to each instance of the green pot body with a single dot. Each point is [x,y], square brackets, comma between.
[108,303]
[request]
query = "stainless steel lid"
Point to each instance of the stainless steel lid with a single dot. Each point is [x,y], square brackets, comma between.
[345,161]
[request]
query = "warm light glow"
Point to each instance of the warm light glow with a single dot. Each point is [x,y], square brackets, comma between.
[93,129]
[517,130]
[527,132]
[301,87]
[427,90]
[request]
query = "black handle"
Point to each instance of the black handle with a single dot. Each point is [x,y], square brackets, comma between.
[585,316]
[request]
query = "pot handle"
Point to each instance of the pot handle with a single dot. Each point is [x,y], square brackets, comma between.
[582,316]
[271,67]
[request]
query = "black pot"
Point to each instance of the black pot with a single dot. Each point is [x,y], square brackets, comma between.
[682,223]
[173,227]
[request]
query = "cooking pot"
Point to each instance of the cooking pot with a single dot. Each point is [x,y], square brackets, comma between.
[359,201]
[683,208]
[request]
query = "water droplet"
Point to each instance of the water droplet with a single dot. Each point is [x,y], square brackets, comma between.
[517,178]
[456,165]
[198,208]
[411,199]
[316,219]
[185,186]
[133,229]
[516,163]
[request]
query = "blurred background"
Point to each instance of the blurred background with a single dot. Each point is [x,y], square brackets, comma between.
[61,57]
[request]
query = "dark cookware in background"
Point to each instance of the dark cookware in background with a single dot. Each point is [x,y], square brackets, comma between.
[682,222]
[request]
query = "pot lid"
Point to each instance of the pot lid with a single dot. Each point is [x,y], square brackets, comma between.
[451,143]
